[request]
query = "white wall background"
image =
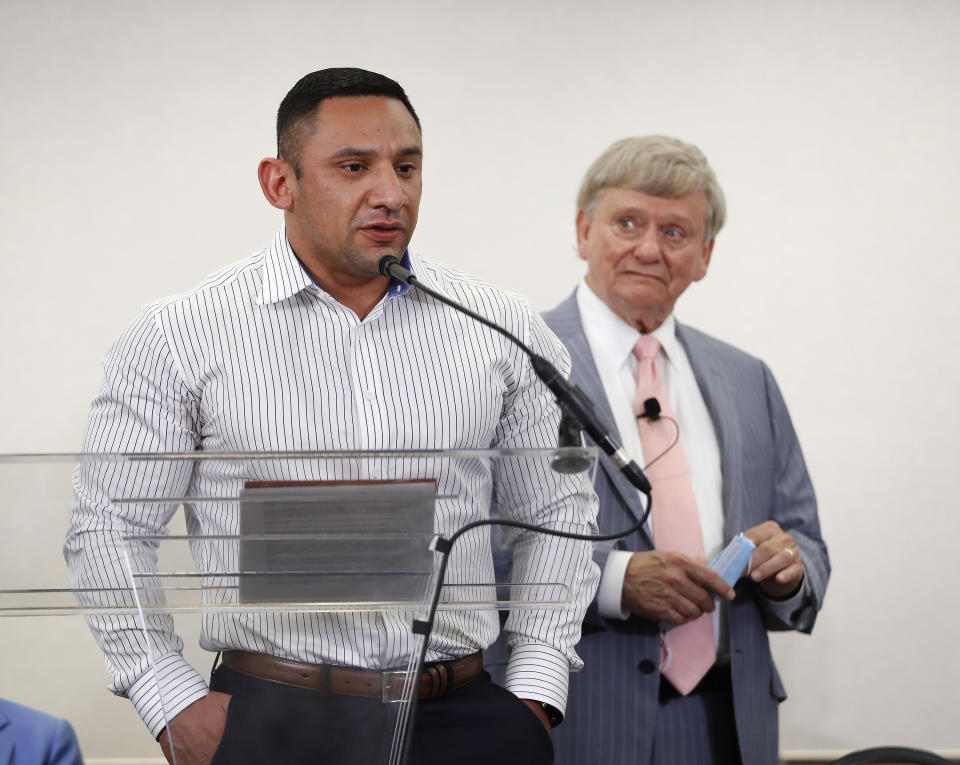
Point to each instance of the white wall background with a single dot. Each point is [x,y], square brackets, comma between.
[129,138]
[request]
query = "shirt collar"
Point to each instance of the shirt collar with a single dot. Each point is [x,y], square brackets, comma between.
[611,336]
[398,288]
[285,276]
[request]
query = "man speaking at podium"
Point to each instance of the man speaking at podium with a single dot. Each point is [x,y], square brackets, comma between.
[668,677]
[304,346]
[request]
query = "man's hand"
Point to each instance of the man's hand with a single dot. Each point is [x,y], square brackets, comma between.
[538,711]
[668,586]
[775,566]
[197,730]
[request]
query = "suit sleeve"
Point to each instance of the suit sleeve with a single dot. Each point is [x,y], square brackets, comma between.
[795,509]
[64,747]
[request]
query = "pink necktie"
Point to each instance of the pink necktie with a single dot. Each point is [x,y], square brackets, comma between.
[676,522]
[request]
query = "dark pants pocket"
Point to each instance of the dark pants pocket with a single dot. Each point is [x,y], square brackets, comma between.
[479,724]
[229,733]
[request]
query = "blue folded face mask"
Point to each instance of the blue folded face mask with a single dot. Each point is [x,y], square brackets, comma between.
[732,561]
[729,564]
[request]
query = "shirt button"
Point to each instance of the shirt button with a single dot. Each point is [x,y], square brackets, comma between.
[646,667]
[369,395]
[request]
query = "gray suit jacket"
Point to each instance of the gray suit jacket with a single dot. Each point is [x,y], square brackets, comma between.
[612,707]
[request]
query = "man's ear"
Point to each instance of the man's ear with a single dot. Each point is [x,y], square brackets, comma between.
[583,231]
[704,260]
[276,180]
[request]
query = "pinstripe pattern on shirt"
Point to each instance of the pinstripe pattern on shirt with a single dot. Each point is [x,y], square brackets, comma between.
[259,358]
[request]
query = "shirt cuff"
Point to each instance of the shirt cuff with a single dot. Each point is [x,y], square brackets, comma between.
[539,673]
[165,690]
[785,609]
[610,593]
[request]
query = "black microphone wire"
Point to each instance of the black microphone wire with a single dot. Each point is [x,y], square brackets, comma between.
[567,394]
[412,279]
[673,443]
[392,268]
[444,546]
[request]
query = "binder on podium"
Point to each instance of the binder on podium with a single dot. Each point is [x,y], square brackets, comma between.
[329,546]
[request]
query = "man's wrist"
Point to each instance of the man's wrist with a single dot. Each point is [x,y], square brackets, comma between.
[554,715]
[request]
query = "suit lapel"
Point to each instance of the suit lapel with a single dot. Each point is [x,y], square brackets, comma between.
[719,397]
[565,321]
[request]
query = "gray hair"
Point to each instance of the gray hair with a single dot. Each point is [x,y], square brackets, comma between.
[657,165]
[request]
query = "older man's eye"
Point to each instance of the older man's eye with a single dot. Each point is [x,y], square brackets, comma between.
[626,224]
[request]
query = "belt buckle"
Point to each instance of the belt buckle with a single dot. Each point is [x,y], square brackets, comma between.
[394,686]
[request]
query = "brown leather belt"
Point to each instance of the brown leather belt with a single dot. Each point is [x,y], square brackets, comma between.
[437,679]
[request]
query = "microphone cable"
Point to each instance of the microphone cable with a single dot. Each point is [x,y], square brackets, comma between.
[574,404]
[652,411]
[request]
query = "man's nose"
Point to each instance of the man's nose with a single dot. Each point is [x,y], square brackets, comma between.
[648,246]
[387,190]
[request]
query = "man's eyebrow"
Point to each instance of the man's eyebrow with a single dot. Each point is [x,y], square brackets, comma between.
[350,152]
[673,216]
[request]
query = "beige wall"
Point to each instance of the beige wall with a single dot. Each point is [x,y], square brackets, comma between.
[129,138]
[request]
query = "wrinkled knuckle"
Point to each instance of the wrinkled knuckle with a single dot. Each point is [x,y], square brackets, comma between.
[674,558]
[673,579]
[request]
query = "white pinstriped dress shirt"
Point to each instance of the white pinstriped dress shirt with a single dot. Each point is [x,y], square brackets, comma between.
[259,358]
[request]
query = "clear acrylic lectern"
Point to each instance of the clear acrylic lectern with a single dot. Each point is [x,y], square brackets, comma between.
[306,553]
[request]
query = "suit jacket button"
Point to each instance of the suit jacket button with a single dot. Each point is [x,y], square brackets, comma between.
[646,666]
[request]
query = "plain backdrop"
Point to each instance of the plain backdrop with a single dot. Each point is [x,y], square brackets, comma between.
[130,134]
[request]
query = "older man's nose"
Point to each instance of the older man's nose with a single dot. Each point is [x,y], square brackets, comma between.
[648,246]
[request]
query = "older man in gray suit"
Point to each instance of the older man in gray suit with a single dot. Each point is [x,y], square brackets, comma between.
[671,677]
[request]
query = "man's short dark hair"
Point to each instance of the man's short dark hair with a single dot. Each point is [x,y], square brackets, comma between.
[299,106]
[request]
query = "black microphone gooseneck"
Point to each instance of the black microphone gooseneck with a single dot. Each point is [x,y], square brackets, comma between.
[571,399]
[575,407]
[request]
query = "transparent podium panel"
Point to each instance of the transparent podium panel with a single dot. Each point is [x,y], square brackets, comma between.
[361,565]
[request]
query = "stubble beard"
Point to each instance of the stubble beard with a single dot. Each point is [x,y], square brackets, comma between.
[366,263]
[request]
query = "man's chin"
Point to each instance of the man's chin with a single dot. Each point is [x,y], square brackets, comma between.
[376,254]
[368,260]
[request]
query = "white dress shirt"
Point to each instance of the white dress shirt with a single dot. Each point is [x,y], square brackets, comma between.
[259,358]
[611,342]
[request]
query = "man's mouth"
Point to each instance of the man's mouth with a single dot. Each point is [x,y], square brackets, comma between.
[387,231]
[644,275]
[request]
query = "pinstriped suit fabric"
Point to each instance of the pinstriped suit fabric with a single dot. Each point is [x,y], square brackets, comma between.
[613,709]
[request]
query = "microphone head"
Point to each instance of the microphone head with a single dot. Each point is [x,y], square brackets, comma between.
[651,409]
[386,263]
[570,457]
[570,460]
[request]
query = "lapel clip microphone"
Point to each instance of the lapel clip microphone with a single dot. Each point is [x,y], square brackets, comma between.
[651,410]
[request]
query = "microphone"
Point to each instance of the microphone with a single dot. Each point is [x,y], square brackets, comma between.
[651,410]
[570,398]
[392,268]
[569,436]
